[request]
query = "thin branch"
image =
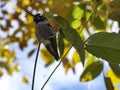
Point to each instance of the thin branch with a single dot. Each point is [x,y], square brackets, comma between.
[35,65]
[29,13]
[55,69]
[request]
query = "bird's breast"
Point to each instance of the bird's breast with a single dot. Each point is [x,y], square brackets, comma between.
[43,31]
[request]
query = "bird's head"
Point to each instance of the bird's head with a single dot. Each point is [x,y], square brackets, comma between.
[39,18]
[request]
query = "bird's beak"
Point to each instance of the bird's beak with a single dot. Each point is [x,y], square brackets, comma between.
[29,13]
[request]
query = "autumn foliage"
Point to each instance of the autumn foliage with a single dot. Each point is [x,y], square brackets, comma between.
[89,27]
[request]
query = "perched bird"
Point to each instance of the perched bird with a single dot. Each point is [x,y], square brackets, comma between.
[46,33]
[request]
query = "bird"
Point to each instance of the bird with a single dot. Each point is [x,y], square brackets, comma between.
[46,34]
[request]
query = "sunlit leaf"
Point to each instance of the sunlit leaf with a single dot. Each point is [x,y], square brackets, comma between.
[26,2]
[67,47]
[90,60]
[66,64]
[115,68]
[113,77]
[108,83]
[47,57]
[75,59]
[91,72]
[50,2]
[77,12]
[19,10]
[9,61]
[16,67]
[10,71]
[22,42]
[29,19]
[7,53]
[75,24]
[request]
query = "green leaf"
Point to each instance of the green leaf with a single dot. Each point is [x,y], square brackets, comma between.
[89,61]
[72,36]
[77,12]
[75,24]
[105,45]
[115,68]
[92,71]
[108,83]
[61,42]
[98,23]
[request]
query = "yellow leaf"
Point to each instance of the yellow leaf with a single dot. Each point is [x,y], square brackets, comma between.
[113,77]
[116,88]
[76,24]
[25,79]
[7,53]
[66,64]
[47,57]
[16,67]
[87,77]
[75,59]
[90,60]
[77,12]
[1,72]
[10,71]
[26,2]
[67,47]
[50,2]
[29,19]
[9,61]
[32,30]
[19,10]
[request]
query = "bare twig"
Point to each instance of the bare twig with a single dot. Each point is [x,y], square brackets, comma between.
[33,79]
[55,69]
[29,13]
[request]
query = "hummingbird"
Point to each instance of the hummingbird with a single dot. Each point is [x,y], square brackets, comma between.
[46,34]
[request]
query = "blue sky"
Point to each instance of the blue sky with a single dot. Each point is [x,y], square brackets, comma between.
[59,81]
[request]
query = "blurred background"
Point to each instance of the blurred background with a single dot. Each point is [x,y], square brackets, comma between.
[18,43]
